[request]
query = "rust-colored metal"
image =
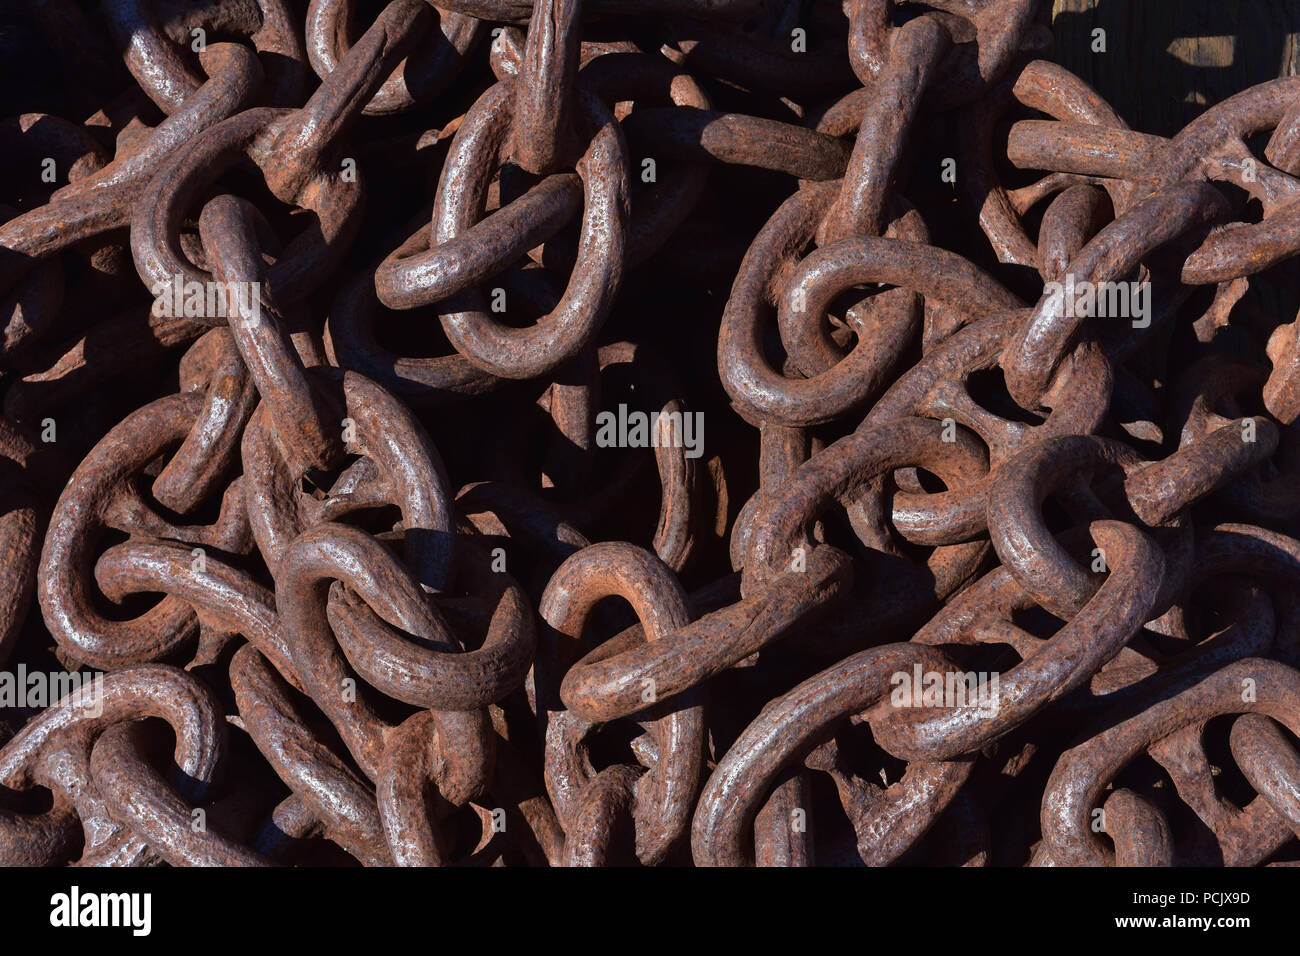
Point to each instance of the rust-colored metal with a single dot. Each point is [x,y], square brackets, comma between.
[646,433]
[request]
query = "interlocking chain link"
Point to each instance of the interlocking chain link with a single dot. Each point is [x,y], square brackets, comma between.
[358,500]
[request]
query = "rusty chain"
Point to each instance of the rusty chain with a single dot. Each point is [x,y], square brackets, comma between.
[358,503]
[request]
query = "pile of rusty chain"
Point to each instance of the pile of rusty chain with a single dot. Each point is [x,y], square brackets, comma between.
[354,355]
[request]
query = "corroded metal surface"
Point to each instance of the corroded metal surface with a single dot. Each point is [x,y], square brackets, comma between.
[656,433]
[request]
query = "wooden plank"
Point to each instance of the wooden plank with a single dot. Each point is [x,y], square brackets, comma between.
[1166,60]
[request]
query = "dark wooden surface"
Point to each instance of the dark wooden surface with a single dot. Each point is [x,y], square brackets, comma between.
[1166,60]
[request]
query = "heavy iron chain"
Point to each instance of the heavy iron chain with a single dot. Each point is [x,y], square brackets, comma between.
[353,356]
